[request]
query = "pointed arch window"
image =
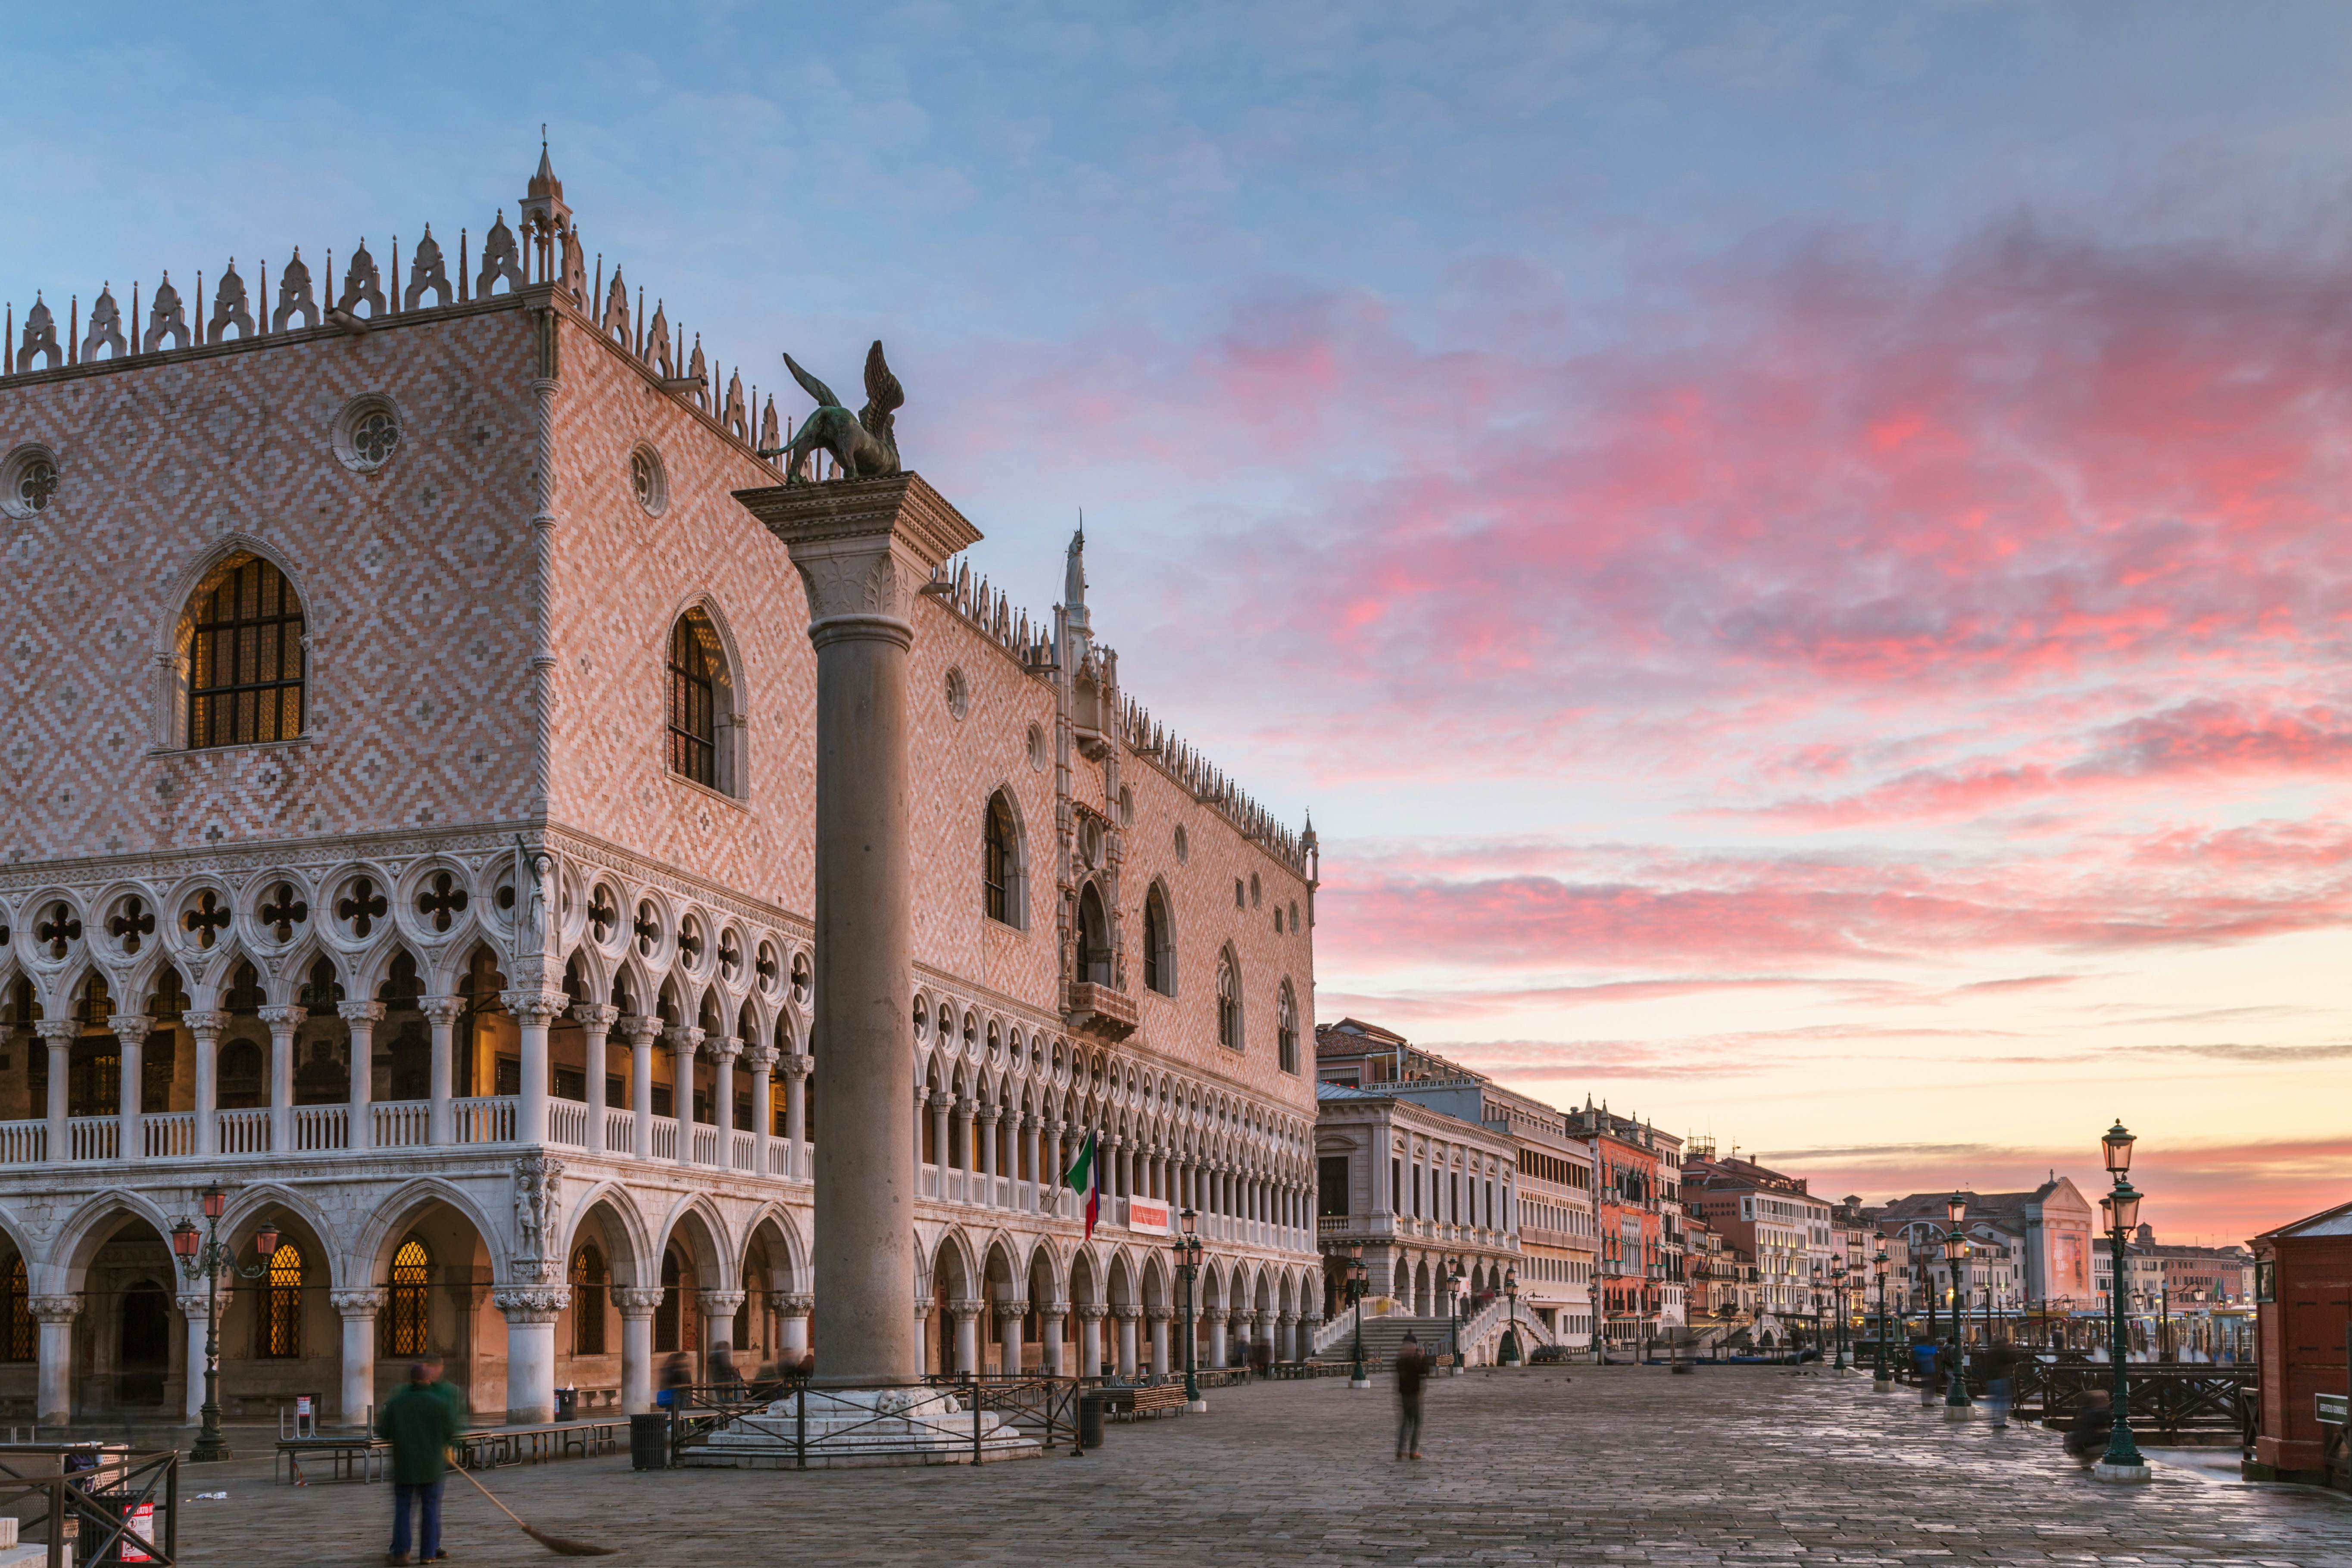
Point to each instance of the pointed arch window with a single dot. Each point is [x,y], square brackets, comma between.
[246,669]
[1158,944]
[280,1321]
[588,1280]
[1229,1001]
[1000,862]
[16,1315]
[1094,937]
[693,707]
[1285,1028]
[405,1327]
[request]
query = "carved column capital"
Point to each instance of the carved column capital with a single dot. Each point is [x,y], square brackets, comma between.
[441,1011]
[758,1059]
[356,1303]
[204,1025]
[864,548]
[1155,1312]
[191,1304]
[131,1028]
[540,1007]
[595,1015]
[721,1303]
[362,1012]
[1092,1311]
[54,1309]
[638,1028]
[964,1311]
[722,1047]
[795,1303]
[685,1037]
[799,1064]
[283,1020]
[530,1303]
[637,1301]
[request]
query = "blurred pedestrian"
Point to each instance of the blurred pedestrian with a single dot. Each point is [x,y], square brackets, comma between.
[2000,1368]
[1412,1372]
[1261,1357]
[677,1373]
[421,1425]
[2093,1423]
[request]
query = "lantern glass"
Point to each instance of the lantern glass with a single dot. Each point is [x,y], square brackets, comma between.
[1956,1247]
[214,1200]
[2127,1201]
[1192,1220]
[1956,1207]
[183,1238]
[265,1241]
[2117,1146]
[1878,1267]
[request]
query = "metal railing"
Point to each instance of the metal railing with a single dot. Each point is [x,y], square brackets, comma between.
[121,1500]
[1044,1407]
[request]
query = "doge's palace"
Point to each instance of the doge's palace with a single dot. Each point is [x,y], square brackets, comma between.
[410,771]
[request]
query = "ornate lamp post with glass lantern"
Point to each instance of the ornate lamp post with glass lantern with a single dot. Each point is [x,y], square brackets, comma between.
[203,1255]
[1453,1313]
[2123,1462]
[1881,1381]
[1510,1355]
[1187,1248]
[1837,1290]
[1357,1279]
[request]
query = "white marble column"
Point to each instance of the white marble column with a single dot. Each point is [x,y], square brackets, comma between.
[794,1306]
[1216,1318]
[59,1033]
[864,549]
[283,1021]
[530,1311]
[683,1040]
[1125,1313]
[1049,1330]
[1090,1322]
[358,1309]
[131,1035]
[762,1061]
[441,1016]
[54,1403]
[723,1050]
[361,1018]
[641,1031]
[967,1334]
[1010,1310]
[636,1304]
[718,1309]
[533,1011]
[192,1318]
[796,1072]
[983,1138]
[1030,1153]
[942,1138]
[596,1020]
[1158,1317]
[205,1028]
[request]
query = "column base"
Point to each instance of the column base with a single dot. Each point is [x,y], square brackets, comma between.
[1882,1385]
[864,1428]
[1360,1383]
[2121,1474]
[1959,1412]
[1197,1407]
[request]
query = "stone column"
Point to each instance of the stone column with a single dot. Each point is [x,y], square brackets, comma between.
[718,1309]
[1029,1152]
[131,1034]
[967,1334]
[55,1315]
[361,1018]
[795,1306]
[1125,1313]
[205,1029]
[683,1038]
[1010,1310]
[533,1012]
[1158,1317]
[1285,1338]
[864,549]
[1049,1330]
[922,1335]
[762,1061]
[596,1020]
[943,1140]
[191,1316]
[1214,1317]
[59,1033]
[529,1311]
[1090,1321]
[358,1309]
[983,1129]
[641,1031]
[283,1021]
[636,1304]
[441,1016]
[796,1072]
[1311,1324]
[723,1052]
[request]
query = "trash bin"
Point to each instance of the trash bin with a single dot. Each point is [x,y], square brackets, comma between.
[1090,1419]
[567,1404]
[649,1441]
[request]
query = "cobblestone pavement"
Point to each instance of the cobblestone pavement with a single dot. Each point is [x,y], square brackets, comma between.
[1618,1465]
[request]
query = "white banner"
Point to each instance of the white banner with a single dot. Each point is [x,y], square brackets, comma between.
[1147,1215]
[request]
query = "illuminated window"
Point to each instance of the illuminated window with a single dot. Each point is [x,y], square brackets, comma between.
[244,658]
[588,1302]
[1000,863]
[693,713]
[16,1316]
[280,1328]
[407,1323]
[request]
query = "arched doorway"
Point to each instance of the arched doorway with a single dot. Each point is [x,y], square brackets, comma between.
[144,1353]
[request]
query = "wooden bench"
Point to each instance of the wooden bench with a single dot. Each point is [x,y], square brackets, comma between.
[493,1446]
[1133,1405]
[356,1457]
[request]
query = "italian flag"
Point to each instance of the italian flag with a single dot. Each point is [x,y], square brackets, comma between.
[1084,1176]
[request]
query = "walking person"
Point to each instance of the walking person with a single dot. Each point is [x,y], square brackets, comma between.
[2001,1368]
[2093,1423]
[420,1424]
[1412,1372]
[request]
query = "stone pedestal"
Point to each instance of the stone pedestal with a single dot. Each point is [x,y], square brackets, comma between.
[2121,1474]
[864,549]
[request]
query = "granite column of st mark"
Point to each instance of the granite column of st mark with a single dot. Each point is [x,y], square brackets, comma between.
[864,549]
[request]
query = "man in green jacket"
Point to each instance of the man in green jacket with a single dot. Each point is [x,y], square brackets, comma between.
[421,1425]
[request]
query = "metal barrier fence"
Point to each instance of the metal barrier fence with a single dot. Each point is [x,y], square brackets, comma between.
[113,1502]
[1044,1407]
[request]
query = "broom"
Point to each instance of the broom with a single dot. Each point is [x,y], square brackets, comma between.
[562,1546]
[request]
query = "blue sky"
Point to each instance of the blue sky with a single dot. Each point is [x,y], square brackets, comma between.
[1788,546]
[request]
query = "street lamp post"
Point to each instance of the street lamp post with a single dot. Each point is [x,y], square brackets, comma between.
[1880,1382]
[1187,1248]
[1356,1279]
[1510,1353]
[1837,1287]
[207,1257]
[2123,1462]
[1453,1314]
[1956,1252]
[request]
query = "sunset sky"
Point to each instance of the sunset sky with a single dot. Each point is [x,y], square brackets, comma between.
[1796,553]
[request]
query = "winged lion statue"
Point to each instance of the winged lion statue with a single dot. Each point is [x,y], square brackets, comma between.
[865,444]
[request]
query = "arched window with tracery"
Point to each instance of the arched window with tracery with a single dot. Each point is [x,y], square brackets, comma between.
[1229,1001]
[1158,944]
[16,1335]
[1285,1028]
[279,1323]
[1094,937]
[243,637]
[405,1327]
[588,1279]
[1000,861]
[693,706]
